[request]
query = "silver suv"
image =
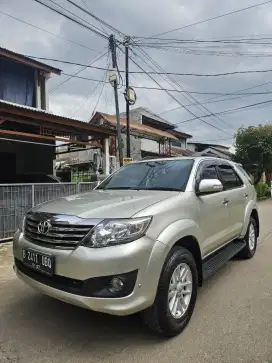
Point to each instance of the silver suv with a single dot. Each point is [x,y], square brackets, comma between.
[143,241]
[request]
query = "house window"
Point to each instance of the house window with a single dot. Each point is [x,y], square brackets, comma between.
[16,82]
[176,143]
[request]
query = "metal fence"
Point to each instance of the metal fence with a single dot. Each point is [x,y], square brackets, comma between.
[17,199]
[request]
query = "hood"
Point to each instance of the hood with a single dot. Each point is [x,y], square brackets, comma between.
[105,203]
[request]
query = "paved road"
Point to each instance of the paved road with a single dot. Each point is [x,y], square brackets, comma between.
[232,322]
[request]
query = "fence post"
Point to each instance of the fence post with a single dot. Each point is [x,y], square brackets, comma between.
[33,195]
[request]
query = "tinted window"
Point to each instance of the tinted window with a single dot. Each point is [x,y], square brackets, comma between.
[242,170]
[228,177]
[151,175]
[209,172]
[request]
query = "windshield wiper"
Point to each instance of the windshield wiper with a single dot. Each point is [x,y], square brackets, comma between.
[120,188]
[163,189]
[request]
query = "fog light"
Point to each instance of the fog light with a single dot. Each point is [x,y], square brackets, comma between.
[116,285]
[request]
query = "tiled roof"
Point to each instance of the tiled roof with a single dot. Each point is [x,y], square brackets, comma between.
[144,129]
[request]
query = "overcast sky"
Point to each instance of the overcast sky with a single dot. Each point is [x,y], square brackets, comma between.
[146,18]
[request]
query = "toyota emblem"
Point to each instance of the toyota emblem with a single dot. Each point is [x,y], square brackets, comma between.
[44,227]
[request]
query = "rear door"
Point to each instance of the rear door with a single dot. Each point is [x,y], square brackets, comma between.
[213,212]
[236,194]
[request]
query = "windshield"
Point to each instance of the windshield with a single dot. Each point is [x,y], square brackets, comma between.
[151,175]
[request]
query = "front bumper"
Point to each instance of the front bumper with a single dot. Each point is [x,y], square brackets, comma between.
[144,256]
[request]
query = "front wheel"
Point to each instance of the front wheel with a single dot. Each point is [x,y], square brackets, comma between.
[176,294]
[251,240]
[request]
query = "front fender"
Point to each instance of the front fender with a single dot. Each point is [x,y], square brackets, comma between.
[180,229]
[249,208]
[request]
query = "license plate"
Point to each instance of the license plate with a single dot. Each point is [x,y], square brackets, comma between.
[42,262]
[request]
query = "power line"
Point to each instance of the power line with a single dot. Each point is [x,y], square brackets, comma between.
[207,52]
[214,140]
[211,52]
[212,18]
[96,17]
[100,56]
[233,93]
[99,96]
[201,41]
[47,31]
[269,102]
[219,94]
[219,113]
[188,95]
[174,90]
[88,96]
[73,20]
[68,62]
[70,12]
[176,98]
[156,73]
[87,7]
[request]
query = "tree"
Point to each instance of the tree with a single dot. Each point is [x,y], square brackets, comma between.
[254,150]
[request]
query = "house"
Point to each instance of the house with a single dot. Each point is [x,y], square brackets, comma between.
[78,164]
[23,81]
[206,149]
[151,135]
[28,130]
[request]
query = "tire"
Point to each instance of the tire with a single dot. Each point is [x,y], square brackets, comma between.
[159,316]
[251,240]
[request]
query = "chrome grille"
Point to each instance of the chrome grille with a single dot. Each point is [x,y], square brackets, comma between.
[64,232]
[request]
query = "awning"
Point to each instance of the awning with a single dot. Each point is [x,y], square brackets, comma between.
[49,126]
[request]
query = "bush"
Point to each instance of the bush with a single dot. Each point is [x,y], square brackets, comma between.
[262,190]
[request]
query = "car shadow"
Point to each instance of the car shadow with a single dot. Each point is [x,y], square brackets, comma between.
[48,323]
[55,321]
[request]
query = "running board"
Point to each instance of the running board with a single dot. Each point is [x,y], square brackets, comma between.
[219,258]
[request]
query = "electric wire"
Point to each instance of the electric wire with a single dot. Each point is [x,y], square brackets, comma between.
[47,31]
[100,56]
[73,19]
[212,18]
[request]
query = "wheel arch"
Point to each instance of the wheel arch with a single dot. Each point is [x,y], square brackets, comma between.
[255,215]
[192,245]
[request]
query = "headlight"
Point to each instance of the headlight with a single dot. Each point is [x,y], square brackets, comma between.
[115,232]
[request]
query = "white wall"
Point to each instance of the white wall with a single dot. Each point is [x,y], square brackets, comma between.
[150,145]
[77,156]
[191,147]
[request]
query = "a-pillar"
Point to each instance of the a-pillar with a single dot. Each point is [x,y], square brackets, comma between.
[106,157]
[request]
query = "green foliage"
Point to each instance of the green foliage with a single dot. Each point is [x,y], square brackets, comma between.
[261,190]
[254,149]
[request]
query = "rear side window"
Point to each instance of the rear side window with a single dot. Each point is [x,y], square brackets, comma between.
[229,177]
[242,170]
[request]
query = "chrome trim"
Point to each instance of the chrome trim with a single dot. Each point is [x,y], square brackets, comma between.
[65,231]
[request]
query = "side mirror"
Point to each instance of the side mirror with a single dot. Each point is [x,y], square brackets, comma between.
[209,186]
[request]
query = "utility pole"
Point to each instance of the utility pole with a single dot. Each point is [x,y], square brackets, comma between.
[112,45]
[126,42]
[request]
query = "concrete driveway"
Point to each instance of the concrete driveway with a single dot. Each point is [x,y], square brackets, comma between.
[232,322]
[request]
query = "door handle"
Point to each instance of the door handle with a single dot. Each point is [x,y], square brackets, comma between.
[225,201]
